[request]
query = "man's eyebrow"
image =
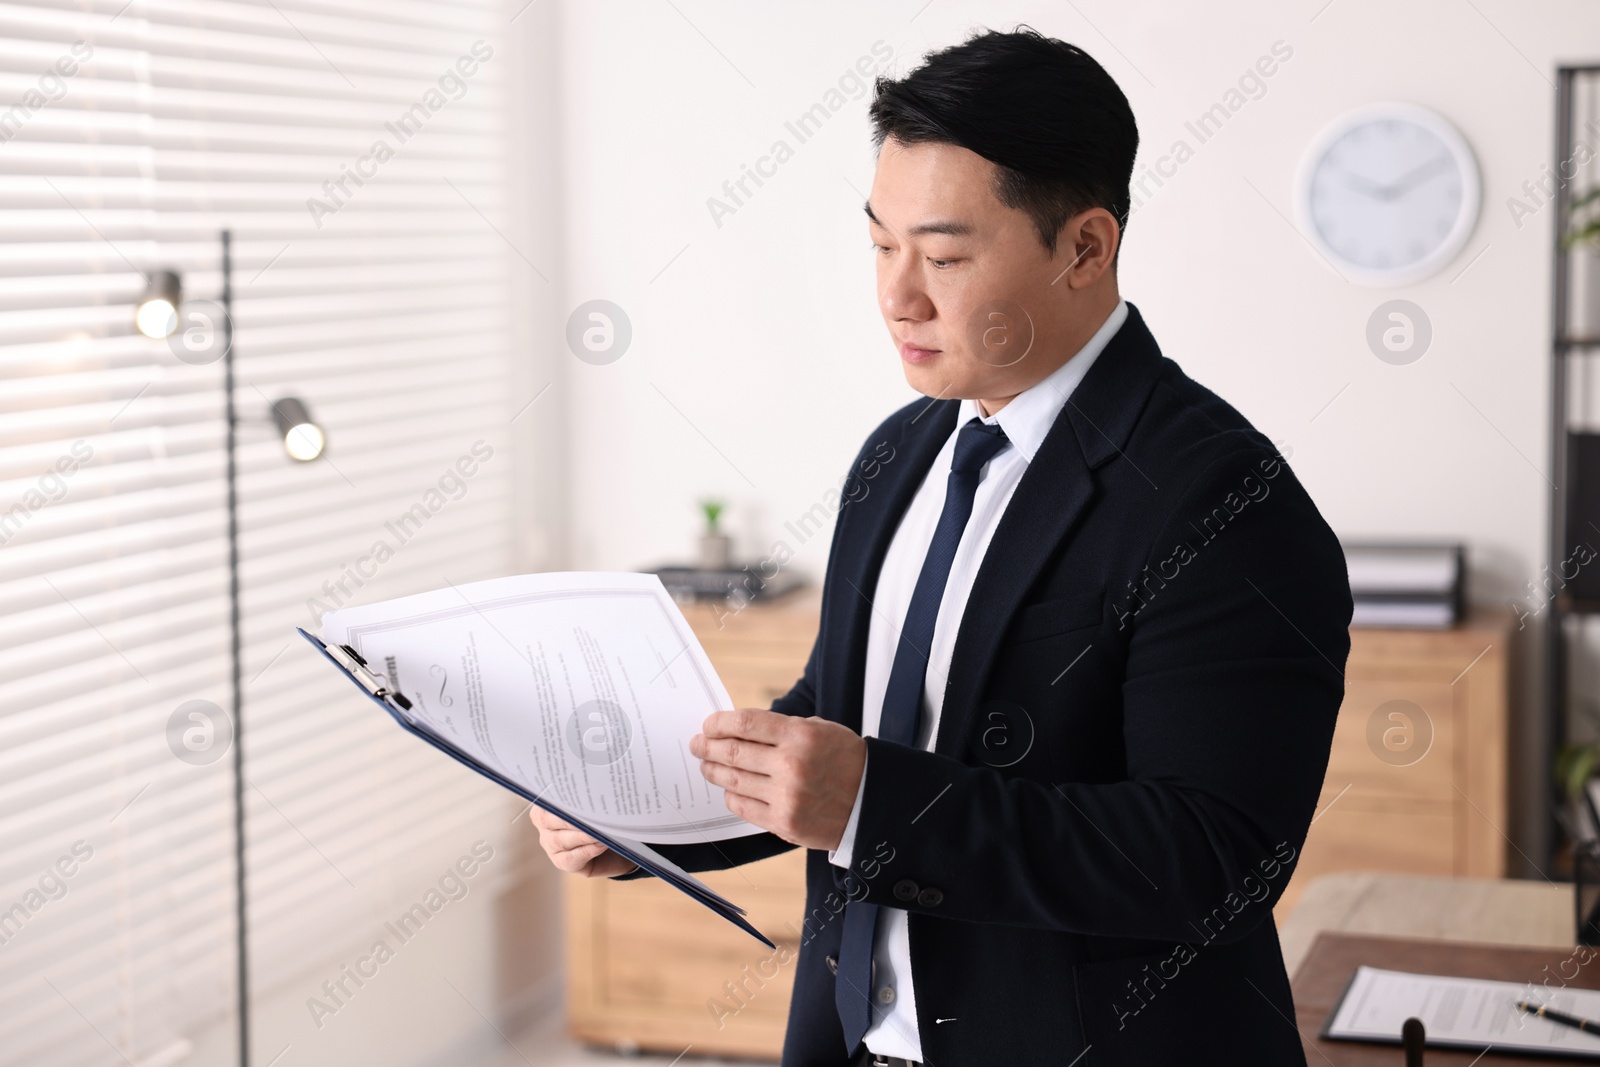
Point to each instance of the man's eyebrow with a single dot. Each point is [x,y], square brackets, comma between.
[947,227]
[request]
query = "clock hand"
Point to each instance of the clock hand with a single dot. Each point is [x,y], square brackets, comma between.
[1364,185]
[1407,181]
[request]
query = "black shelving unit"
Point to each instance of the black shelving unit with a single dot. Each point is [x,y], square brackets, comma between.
[1574,454]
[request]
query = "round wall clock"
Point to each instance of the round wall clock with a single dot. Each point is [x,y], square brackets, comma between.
[1389,193]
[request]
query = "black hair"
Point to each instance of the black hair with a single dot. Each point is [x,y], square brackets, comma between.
[1043,111]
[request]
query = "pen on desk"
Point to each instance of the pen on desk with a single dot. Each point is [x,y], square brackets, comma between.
[1414,1036]
[1588,1026]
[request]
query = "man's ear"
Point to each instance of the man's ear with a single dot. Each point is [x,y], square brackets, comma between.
[1086,248]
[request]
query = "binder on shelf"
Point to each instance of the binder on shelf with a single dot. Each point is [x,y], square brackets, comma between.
[1406,585]
[351,664]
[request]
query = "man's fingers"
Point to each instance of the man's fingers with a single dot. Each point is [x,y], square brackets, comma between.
[750,809]
[735,752]
[575,852]
[546,821]
[609,866]
[753,724]
[737,780]
[563,840]
[586,851]
[576,859]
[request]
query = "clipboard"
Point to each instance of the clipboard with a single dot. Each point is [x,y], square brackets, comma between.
[354,667]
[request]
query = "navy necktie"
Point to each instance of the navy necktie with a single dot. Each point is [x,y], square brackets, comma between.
[976,444]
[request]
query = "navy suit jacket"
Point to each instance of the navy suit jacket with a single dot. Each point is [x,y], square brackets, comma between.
[1136,725]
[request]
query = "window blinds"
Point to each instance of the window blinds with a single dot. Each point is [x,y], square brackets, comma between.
[354,147]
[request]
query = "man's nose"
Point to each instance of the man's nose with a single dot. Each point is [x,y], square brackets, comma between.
[903,296]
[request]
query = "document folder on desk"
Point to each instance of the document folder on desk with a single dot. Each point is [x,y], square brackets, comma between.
[1471,1013]
[577,692]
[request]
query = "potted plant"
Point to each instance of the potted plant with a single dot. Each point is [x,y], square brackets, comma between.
[716,548]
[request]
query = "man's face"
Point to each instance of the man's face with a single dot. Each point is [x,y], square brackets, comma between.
[964,283]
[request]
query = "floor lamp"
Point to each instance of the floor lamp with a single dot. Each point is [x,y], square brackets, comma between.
[159,314]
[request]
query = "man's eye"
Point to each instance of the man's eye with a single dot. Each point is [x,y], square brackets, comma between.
[876,247]
[941,264]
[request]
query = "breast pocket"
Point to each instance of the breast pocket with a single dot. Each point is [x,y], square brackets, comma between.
[1048,618]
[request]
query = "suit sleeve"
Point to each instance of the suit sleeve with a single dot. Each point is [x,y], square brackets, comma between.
[1233,679]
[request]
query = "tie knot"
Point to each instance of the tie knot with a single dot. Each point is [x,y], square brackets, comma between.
[976,444]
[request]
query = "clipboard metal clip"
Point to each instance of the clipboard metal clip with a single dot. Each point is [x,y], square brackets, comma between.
[356,666]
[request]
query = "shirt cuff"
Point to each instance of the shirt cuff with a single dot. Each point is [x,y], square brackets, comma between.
[841,856]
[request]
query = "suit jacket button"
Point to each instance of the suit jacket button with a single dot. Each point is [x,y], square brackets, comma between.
[905,889]
[833,965]
[930,898]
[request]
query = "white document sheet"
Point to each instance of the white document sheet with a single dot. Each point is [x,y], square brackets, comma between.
[1465,1012]
[583,687]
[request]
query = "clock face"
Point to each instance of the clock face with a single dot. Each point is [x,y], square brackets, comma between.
[1388,194]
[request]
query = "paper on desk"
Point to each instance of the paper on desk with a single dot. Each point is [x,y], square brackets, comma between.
[1465,1012]
[582,687]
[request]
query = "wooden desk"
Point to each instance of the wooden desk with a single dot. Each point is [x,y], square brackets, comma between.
[1491,911]
[1334,959]
[1447,924]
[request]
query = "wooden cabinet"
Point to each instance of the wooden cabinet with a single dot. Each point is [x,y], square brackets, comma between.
[1416,780]
[1416,783]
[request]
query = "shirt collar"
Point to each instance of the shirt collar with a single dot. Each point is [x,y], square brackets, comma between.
[1033,411]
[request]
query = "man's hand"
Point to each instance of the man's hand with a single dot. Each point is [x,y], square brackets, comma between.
[575,851]
[794,777]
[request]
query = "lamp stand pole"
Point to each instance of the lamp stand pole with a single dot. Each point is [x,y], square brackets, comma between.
[235,652]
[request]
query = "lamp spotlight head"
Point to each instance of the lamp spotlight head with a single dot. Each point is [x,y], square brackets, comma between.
[156,315]
[303,439]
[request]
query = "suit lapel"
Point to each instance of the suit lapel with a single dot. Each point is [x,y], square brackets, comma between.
[1049,500]
[872,520]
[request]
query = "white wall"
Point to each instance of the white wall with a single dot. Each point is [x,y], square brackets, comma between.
[759,361]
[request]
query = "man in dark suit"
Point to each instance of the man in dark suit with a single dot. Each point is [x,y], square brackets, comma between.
[1082,643]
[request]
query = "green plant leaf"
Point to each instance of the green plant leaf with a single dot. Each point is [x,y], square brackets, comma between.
[1587,232]
[1583,235]
[1575,765]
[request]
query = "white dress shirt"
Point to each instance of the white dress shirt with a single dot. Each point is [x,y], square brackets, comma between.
[1025,420]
